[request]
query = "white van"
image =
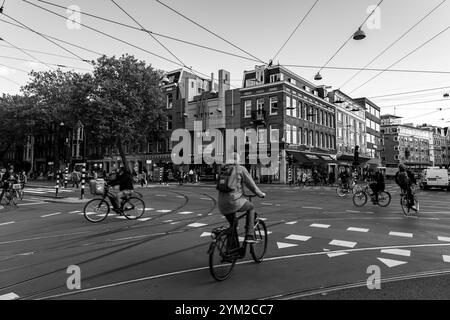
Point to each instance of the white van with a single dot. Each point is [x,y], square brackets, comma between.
[434,178]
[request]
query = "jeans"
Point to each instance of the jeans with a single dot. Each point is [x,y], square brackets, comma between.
[249,219]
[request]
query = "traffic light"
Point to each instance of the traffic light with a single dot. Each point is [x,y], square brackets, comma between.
[356,156]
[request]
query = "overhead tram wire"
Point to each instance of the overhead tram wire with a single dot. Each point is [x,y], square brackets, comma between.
[426,114]
[113,37]
[401,59]
[55,43]
[154,33]
[54,38]
[368,69]
[295,30]
[412,103]
[27,54]
[393,43]
[13,68]
[42,52]
[211,32]
[351,36]
[153,37]
[46,63]
[407,92]
[10,80]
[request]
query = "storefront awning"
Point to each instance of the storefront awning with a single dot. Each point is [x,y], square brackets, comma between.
[306,158]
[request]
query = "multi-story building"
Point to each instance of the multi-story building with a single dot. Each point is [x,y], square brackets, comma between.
[350,129]
[373,135]
[274,98]
[405,143]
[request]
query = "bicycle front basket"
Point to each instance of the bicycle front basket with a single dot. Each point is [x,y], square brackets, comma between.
[16,186]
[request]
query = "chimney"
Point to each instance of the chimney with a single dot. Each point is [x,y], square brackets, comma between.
[224,85]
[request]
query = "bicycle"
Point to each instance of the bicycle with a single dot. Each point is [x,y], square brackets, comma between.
[404,202]
[96,210]
[225,248]
[342,191]
[360,197]
[11,194]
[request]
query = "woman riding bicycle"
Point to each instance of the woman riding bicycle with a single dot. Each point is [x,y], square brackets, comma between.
[234,201]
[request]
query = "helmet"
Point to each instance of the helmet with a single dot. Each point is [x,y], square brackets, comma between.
[402,167]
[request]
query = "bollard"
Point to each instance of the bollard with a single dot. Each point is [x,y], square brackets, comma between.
[65,177]
[83,181]
[57,184]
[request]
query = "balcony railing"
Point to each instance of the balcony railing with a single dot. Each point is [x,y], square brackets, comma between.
[259,116]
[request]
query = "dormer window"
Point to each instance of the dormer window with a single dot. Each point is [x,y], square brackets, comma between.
[275,78]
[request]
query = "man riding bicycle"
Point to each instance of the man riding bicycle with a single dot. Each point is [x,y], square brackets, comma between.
[125,182]
[377,185]
[231,195]
[8,179]
[344,176]
[405,179]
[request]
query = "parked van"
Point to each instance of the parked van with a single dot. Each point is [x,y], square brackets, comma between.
[434,178]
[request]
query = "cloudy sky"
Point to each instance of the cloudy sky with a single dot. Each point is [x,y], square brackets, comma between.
[257,29]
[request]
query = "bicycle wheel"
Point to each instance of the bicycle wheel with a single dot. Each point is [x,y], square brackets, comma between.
[384,199]
[404,205]
[21,194]
[341,192]
[133,208]
[96,210]
[359,199]
[221,262]
[259,248]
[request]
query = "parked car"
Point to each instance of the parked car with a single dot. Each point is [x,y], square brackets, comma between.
[434,178]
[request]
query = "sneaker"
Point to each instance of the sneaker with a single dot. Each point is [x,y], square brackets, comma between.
[250,238]
[414,208]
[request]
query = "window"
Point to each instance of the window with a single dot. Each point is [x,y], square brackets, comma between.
[273,138]
[262,133]
[169,101]
[304,111]
[288,105]
[299,109]
[247,108]
[294,135]
[322,139]
[273,105]
[339,118]
[300,136]
[310,138]
[310,114]
[316,142]
[275,78]
[287,134]
[260,104]
[305,137]
[339,133]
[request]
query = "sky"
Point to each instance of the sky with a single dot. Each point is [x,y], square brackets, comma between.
[258,27]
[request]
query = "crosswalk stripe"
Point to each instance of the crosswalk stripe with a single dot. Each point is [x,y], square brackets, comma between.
[336,254]
[9,296]
[149,209]
[163,211]
[196,225]
[76,211]
[205,234]
[185,212]
[318,225]
[398,252]
[358,229]
[446,258]
[292,222]
[447,239]
[401,234]
[51,214]
[341,243]
[298,237]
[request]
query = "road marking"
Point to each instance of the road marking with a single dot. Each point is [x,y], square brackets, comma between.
[358,229]
[39,238]
[9,296]
[163,211]
[392,263]
[401,234]
[185,212]
[161,195]
[282,245]
[264,234]
[336,254]
[31,204]
[149,209]
[176,273]
[196,225]
[179,197]
[318,225]
[298,237]
[318,208]
[431,212]
[292,222]
[205,234]
[263,219]
[341,243]
[121,217]
[6,223]
[352,211]
[398,252]
[175,222]
[266,203]
[51,214]
[144,219]
[76,211]
[446,258]
[447,239]
[167,221]
[205,199]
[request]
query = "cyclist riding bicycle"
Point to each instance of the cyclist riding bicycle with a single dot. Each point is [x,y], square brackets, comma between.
[22,178]
[377,185]
[231,198]
[405,179]
[344,176]
[8,179]
[125,182]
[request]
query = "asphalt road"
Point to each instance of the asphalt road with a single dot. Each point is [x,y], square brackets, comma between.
[320,247]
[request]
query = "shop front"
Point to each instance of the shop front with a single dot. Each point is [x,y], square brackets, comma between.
[316,166]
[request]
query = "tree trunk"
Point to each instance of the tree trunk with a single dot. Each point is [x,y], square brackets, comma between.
[122,154]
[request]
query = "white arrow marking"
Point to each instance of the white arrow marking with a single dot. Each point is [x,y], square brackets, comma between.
[282,245]
[358,229]
[401,234]
[444,239]
[391,263]
[9,296]
[398,252]
[205,234]
[297,237]
[196,225]
[336,254]
[318,225]
[347,244]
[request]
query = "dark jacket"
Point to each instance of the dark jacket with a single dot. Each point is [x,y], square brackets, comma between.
[402,184]
[378,178]
[125,181]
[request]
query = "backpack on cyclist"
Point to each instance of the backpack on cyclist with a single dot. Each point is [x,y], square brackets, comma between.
[227,180]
